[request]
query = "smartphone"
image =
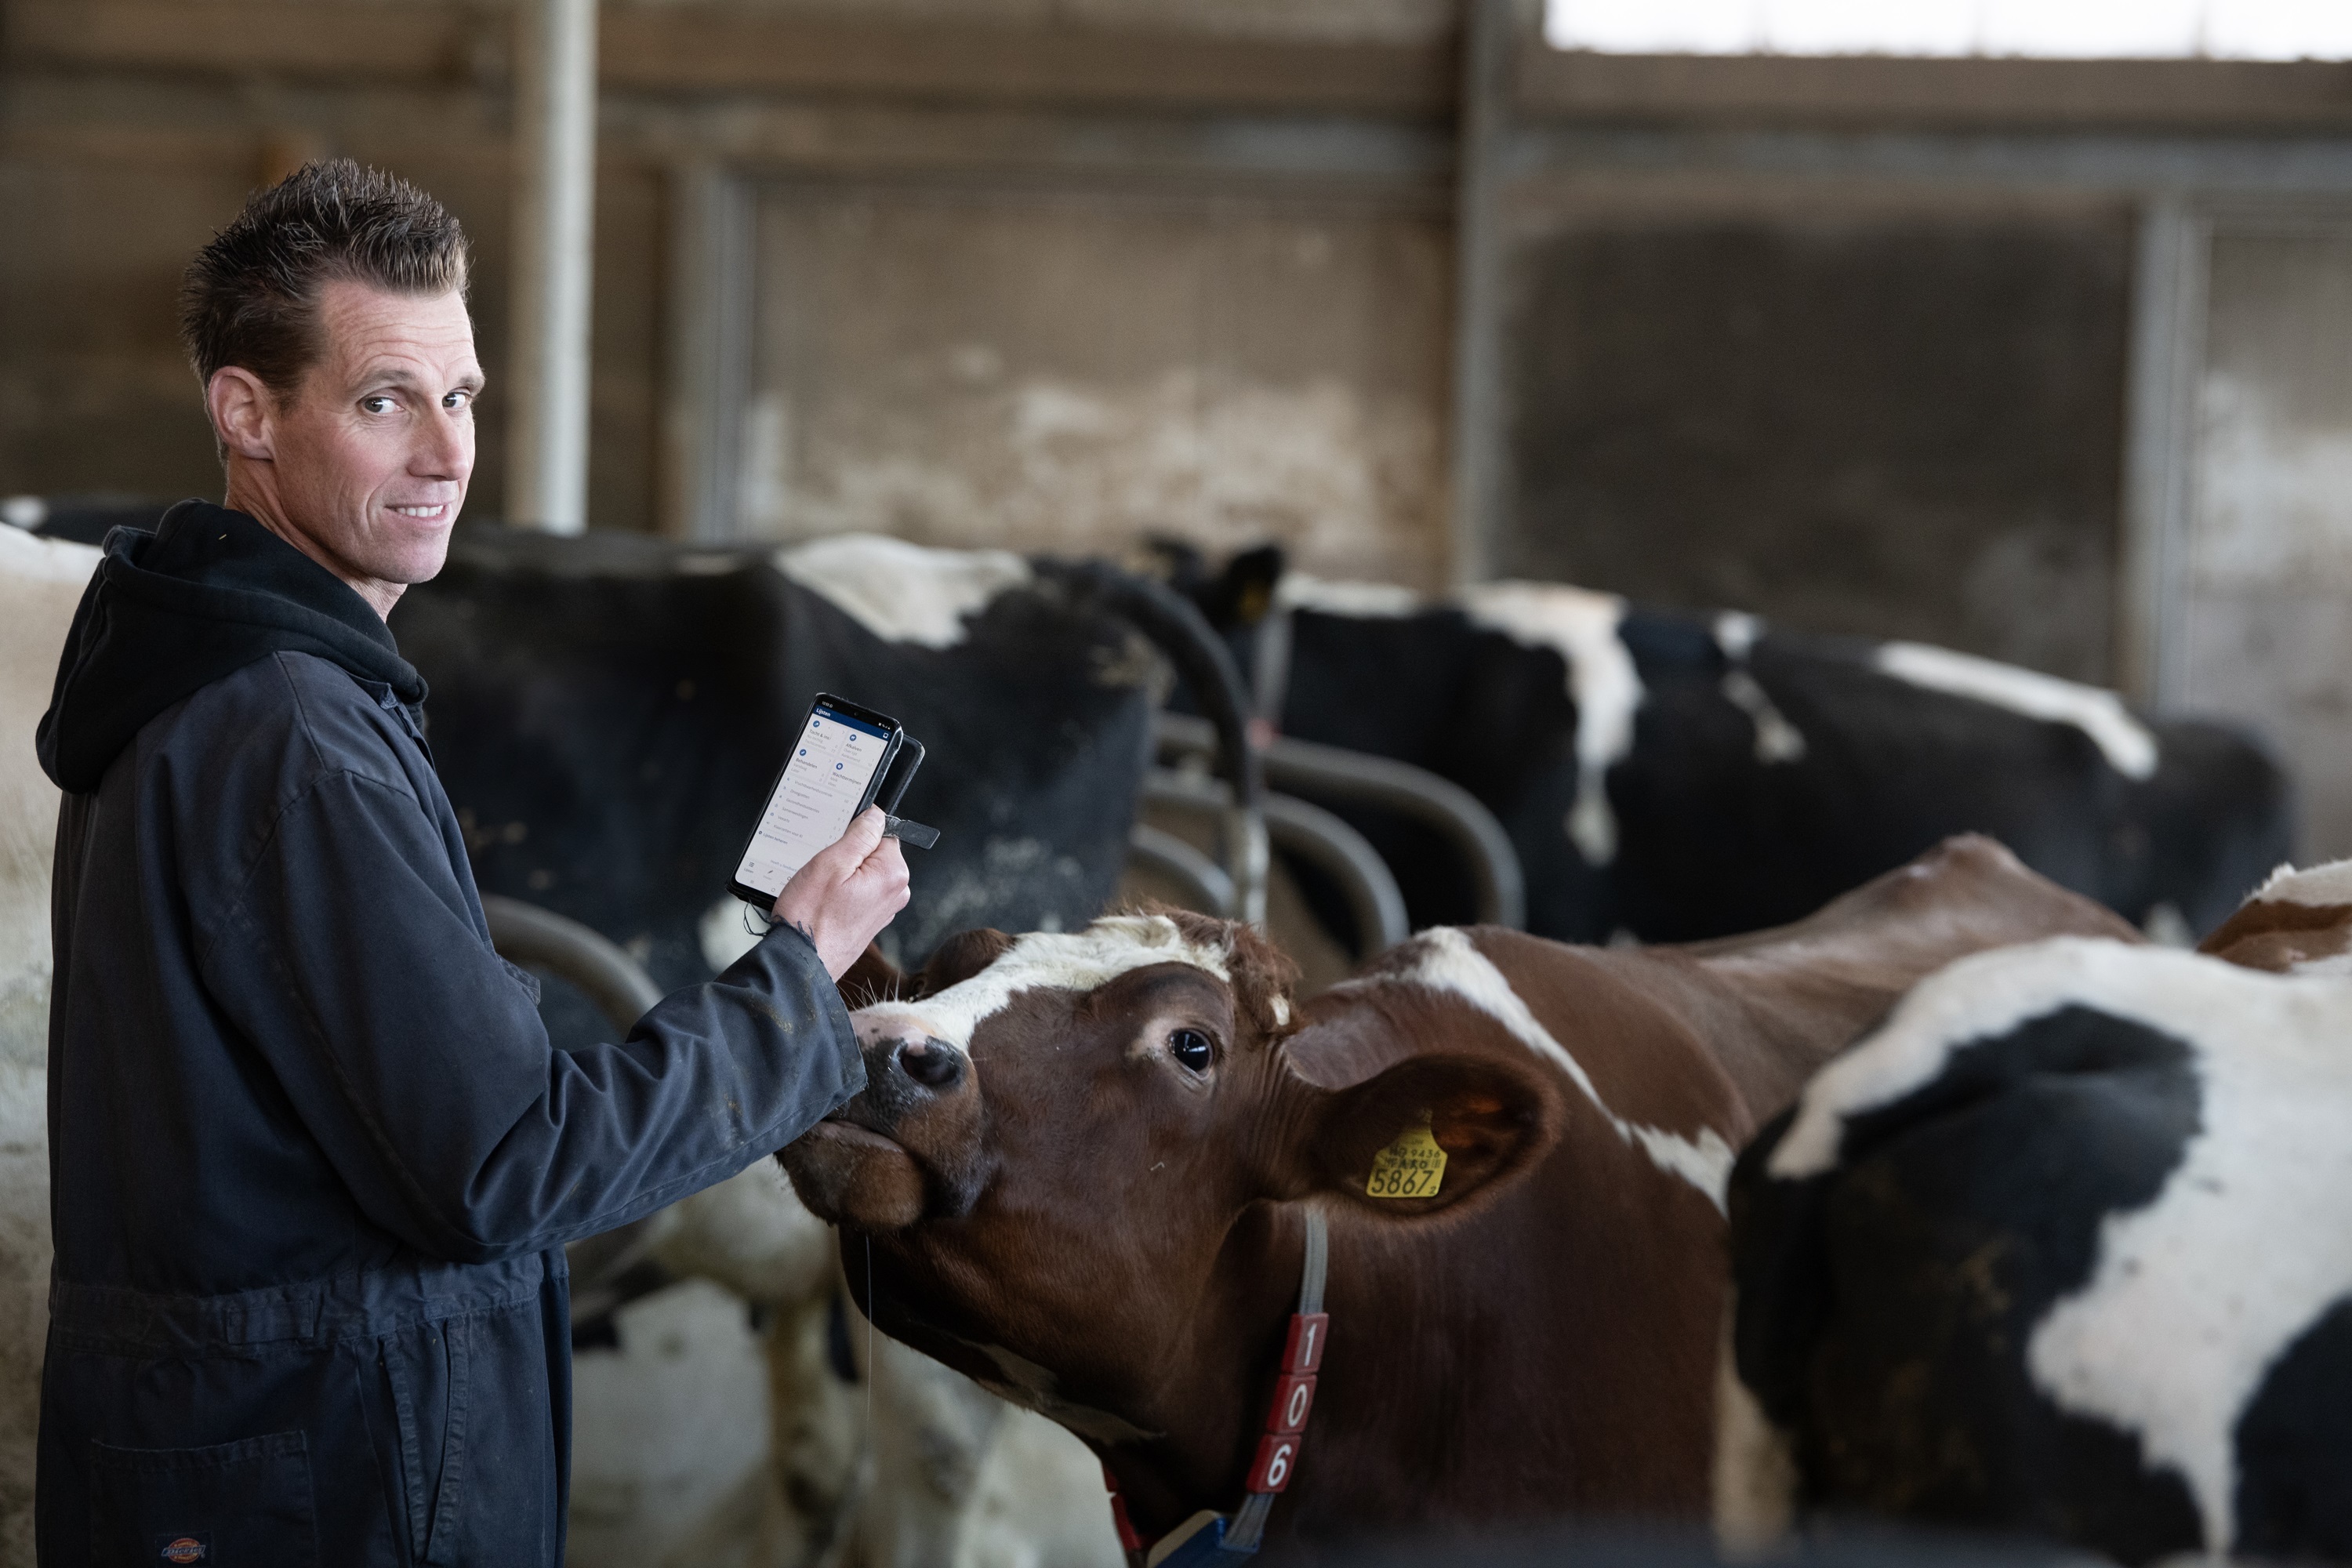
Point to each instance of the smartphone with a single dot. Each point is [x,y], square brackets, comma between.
[836,767]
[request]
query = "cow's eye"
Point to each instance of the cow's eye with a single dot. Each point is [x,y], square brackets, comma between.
[1191,1047]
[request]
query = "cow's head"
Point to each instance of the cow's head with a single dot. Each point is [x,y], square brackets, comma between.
[1067,1159]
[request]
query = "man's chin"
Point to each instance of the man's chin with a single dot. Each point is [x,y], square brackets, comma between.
[414,553]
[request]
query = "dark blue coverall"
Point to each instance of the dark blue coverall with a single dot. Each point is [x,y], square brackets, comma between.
[314,1158]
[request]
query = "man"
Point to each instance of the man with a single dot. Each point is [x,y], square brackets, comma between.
[315,1159]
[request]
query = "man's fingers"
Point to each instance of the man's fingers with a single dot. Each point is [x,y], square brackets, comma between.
[887,861]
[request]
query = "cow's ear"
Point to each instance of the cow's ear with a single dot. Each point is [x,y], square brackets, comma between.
[1245,592]
[960,957]
[872,979]
[1378,1143]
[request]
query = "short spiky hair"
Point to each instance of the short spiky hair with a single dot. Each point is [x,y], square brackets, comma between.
[250,298]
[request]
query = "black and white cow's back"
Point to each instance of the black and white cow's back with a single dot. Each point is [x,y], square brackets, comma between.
[608,712]
[1682,777]
[2065,1248]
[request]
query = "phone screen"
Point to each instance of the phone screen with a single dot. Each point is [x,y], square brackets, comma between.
[824,781]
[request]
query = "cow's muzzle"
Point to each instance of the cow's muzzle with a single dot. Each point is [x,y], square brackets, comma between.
[905,1146]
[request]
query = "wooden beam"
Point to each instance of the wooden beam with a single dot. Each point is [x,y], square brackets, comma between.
[1879,91]
[702,49]
[699,48]
[322,41]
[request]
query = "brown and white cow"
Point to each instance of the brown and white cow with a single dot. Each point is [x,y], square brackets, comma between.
[1083,1162]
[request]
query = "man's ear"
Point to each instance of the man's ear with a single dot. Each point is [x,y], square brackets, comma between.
[1492,1120]
[872,979]
[960,957]
[241,408]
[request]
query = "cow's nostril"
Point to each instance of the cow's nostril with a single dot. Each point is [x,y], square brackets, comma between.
[932,1063]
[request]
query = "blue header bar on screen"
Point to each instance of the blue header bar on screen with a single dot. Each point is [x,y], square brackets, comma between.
[835,715]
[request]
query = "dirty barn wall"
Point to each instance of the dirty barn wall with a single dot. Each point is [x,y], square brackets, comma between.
[125,139]
[122,182]
[1070,370]
[1901,418]
[2268,567]
[1057,275]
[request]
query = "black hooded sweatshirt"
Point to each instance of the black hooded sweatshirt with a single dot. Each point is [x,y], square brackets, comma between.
[314,1160]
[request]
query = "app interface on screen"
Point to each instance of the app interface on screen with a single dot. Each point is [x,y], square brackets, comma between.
[831,764]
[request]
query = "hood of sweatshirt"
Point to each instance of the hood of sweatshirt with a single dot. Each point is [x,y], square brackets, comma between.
[168,613]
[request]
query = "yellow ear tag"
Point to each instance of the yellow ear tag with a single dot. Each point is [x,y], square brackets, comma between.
[1411,1167]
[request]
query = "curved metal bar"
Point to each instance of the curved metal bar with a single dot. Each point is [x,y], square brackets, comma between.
[1175,624]
[622,991]
[525,933]
[1348,858]
[1329,773]
[1162,851]
[1312,834]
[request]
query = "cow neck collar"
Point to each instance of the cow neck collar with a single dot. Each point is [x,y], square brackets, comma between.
[1209,1537]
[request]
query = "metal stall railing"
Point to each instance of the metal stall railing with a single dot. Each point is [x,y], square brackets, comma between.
[1331,773]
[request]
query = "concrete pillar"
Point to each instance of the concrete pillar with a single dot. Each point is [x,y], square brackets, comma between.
[554,254]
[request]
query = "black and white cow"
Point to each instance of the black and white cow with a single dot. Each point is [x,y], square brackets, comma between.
[608,712]
[2065,1248]
[41,582]
[1681,776]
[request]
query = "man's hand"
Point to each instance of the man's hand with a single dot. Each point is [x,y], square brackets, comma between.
[844,897]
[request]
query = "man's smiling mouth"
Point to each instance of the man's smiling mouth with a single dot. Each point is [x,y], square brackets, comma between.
[424,511]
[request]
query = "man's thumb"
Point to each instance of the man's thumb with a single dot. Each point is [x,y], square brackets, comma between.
[864,836]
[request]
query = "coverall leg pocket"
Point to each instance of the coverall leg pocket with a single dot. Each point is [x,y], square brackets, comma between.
[226,1506]
[429,1370]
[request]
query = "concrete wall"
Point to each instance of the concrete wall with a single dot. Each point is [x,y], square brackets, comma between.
[129,131]
[1841,341]
[1898,418]
[111,184]
[2268,589]
[1073,370]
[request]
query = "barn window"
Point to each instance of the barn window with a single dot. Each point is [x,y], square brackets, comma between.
[2057,30]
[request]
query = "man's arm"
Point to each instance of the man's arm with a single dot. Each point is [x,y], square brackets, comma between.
[420,1064]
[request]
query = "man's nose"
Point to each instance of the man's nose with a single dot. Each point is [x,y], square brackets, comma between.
[448,451]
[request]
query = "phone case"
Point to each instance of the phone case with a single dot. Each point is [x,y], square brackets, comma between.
[882,777]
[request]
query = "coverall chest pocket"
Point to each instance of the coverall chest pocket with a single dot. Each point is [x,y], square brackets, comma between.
[220,1507]
[428,1372]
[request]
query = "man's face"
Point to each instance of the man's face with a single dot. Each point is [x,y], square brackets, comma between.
[374,449]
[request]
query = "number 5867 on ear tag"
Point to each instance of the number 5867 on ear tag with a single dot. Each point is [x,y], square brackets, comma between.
[1411,1167]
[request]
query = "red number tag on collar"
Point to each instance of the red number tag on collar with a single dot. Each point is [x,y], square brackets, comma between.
[1294,1396]
[1302,1353]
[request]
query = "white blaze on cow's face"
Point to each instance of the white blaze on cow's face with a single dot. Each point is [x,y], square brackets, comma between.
[1046,961]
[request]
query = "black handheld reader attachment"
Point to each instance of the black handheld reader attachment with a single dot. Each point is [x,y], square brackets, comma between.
[894,787]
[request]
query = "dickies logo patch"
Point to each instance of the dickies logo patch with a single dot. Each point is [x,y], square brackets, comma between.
[185,1548]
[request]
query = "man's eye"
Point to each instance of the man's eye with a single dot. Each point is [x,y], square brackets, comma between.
[458,400]
[1191,1047]
[376,405]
